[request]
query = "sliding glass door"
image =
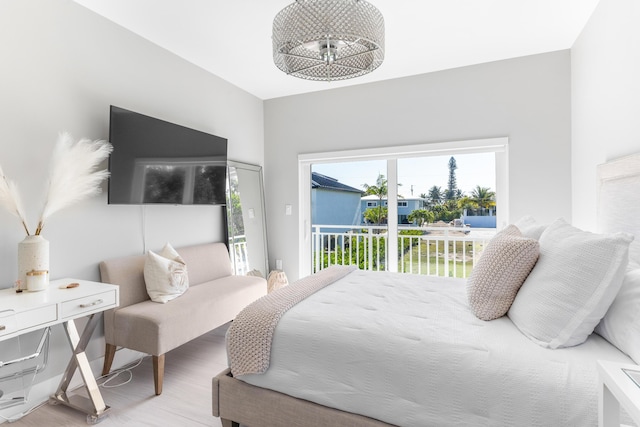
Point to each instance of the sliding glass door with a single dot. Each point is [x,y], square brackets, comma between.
[425,209]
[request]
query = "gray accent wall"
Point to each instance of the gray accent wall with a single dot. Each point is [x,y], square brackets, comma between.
[605,74]
[527,99]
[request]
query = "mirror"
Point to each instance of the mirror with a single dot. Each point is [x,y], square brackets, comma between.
[246,218]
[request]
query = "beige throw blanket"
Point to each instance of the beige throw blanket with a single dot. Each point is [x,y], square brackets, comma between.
[250,335]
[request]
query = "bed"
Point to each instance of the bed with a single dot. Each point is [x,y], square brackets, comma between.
[380,349]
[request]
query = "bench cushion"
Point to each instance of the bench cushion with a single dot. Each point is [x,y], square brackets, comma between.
[157,328]
[215,297]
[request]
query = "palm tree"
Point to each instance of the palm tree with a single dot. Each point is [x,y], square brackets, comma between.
[421,216]
[483,197]
[377,214]
[436,195]
[467,202]
[379,190]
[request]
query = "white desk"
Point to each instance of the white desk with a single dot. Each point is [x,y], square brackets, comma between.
[29,311]
[616,388]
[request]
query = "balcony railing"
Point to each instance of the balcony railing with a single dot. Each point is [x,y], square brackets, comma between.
[433,251]
[239,255]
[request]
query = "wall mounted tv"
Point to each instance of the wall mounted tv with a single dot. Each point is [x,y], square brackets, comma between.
[157,162]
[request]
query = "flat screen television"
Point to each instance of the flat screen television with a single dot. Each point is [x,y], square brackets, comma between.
[157,162]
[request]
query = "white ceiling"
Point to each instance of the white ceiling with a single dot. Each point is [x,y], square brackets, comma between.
[232,38]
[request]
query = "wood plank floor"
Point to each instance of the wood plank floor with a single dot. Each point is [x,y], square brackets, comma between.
[185,399]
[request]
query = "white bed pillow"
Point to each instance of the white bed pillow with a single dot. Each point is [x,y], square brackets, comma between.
[165,275]
[575,280]
[501,270]
[529,227]
[621,325]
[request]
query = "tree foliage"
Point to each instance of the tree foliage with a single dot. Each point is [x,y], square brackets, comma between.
[377,215]
[435,196]
[380,190]
[452,186]
[421,216]
[483,197]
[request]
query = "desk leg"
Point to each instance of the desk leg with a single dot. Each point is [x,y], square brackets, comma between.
[94,406]
[608,408]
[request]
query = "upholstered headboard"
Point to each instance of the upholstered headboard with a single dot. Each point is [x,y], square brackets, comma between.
[619,199]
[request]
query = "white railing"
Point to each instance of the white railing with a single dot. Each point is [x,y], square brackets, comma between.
[240,258]
[436,251]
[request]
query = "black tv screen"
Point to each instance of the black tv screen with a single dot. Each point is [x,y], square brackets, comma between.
[155,162]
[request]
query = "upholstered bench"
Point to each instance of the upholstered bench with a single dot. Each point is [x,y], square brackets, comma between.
[215,296]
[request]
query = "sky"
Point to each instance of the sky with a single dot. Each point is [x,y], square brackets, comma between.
[419,174]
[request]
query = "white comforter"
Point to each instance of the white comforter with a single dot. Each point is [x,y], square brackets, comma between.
[405,349]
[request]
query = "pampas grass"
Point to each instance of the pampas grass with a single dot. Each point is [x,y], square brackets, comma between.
[73,173]
[10,199]
[73,177]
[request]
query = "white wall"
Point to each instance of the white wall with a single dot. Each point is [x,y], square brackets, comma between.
[605,74]
[526,99]
[62,66]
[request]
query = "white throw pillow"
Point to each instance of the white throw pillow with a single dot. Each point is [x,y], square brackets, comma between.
[500,272]
[575,280]
[529,227]
[165,275]
[621,325]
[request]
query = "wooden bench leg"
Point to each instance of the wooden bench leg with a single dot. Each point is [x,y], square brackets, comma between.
[109,354]
[229,423]
[158,373]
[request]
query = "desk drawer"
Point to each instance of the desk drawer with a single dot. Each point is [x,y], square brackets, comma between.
[89,304]
[29,319]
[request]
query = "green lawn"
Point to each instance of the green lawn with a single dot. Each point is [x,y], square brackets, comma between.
[427,265]
[430,264]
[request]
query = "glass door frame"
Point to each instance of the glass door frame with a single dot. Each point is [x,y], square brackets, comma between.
[499,146]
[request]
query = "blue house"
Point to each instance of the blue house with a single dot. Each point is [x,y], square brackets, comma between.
[406,205]
[480,218]
[334,203]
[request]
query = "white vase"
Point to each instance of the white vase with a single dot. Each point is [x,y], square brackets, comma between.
[33,254]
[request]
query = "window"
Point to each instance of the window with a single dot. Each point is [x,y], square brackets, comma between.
[372,204]
[399,185]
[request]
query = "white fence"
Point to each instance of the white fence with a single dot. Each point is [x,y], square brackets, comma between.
[434,251]
[239,255]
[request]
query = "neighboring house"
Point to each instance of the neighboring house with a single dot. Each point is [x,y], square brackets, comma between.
[480,218]
[334,203]
[406,205]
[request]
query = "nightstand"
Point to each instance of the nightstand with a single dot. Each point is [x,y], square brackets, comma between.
[617,388]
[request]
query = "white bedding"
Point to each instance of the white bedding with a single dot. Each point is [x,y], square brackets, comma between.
[411,353]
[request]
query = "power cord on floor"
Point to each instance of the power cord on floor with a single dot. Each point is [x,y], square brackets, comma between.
[105,384]
[22,414]
[115,374]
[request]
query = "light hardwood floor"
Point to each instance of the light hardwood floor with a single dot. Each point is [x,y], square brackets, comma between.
[185,399]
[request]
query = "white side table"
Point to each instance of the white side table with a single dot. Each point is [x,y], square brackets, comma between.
[617,388]
[36,310]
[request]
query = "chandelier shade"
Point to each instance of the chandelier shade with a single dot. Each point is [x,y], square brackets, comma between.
[328,40]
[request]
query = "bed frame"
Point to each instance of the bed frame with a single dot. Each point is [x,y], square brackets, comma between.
[256,406]
[237,402]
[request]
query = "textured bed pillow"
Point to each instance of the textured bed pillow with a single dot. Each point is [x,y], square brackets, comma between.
[165,275]
[529,227]
[621,325]
[501,270]
[577,276]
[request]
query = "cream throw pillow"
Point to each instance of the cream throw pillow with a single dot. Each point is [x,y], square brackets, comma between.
[529,227]
[165,275]
[571,287]
[501,270]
